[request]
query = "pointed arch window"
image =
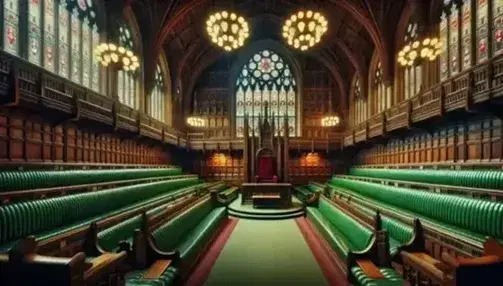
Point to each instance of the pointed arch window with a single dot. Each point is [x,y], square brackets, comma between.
[360,104]
[380,95]
[412,74]
[70,34]
[266,77]
[157,98]
[127,84]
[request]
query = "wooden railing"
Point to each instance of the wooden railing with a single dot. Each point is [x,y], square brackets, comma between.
[27,85]
[482,83]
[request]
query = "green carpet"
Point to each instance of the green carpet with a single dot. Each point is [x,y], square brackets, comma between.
[266,253]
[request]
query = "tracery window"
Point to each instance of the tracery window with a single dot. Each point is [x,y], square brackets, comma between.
[70,34]
[266,77]
[127,85]
[360,104]
[380,95]
[466,34]
[412,74]
[157,97]
[444,58]
[479,16]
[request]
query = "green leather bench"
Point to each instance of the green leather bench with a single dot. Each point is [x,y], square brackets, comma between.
[391,277]
[46,218]
[473,218]
[26,180]
[230,194]
[188,234]
[346,235]
[109,238]
[399,233]
[302,193]
[305,192]
[487,179]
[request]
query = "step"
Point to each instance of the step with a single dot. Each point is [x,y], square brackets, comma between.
[266,216]
[265,211]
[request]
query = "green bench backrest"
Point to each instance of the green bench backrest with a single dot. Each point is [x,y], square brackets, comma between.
[20,219]
[397,230]
[109,238]
[481,216]
[490,179]
[169,235]
[357,234]
[314,188]
[220,187]
[25,180]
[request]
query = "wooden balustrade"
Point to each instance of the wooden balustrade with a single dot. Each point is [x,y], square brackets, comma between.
[478,85]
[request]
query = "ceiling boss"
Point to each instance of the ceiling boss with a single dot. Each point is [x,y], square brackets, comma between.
[304,29]
[227,30]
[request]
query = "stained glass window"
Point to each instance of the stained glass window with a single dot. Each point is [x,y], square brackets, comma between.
[466,28]
[380,95]
[266,77]
[34,31]
[412,74]
[49,35]
[126,83]
[11,26]
[95,73]
[497,26]
[66,44]
[453,43]
[76,39]
[360,106]
[157,97]
[86,53]
[444,60]
[482,22]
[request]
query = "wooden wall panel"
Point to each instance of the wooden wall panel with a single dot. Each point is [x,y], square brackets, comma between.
[478,139]
[221,166]
[26,139]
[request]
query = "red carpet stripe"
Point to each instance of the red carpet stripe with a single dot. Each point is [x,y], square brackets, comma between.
[203,269]
[324,255]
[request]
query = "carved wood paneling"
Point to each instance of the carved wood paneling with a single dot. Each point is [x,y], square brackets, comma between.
[25,139]
[476,140]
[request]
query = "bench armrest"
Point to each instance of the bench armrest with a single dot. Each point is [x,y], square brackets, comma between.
[429,266]
[105,263]
[157,269]
[370,269]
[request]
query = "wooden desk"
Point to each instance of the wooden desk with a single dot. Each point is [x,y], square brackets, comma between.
[268,201]
[283,190]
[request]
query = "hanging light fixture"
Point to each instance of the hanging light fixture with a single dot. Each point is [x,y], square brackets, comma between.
[109,54]
[330,121]
[227,30]
[196,121]
[304,29]
[427,49]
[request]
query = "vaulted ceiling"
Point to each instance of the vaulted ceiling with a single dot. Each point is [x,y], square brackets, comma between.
[357,28]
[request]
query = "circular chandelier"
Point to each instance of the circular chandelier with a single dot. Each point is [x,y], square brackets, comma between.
[330,121]
[304,29]
[228,30]
[109,54]
[428,49]
[196,121]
